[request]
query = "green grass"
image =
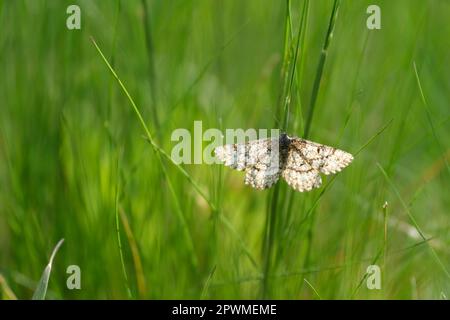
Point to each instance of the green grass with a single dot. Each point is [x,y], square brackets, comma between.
[85,148]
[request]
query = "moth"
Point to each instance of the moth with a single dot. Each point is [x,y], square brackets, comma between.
[300,162]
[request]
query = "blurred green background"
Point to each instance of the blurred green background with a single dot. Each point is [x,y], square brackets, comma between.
[74,164]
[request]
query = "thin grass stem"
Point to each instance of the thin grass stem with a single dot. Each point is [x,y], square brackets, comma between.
[320,68]
[151,65]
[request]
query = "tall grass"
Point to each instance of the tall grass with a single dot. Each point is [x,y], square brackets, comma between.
[273,207]
[151,65]
[291,53]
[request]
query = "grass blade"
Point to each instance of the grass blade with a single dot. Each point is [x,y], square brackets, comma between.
[119,241]
[151,64]
[41,289]
[5,291]
[207,283]
[320,67]
[137,262]
[287,100]
[312,106]
[430,121]
[314,289]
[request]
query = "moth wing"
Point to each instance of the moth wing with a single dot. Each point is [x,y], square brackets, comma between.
[325,159]
[299,173]
[262,177]
[240,156]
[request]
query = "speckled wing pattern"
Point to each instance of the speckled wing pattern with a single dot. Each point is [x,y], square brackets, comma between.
[259,159]
[307,159]
[298,161]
